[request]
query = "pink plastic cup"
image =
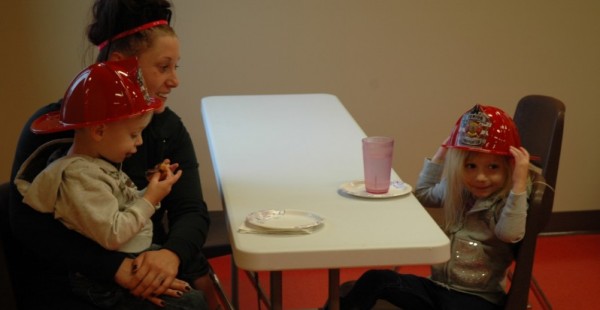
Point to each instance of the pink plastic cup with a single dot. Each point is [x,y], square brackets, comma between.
[377,160]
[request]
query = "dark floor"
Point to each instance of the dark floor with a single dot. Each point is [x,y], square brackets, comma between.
[566,267]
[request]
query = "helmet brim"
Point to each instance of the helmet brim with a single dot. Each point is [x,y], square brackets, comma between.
[51,123]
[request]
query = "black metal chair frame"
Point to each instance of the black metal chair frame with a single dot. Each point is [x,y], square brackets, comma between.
[540,121]
[8,299]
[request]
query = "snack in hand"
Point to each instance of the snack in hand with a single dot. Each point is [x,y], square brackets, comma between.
[162,168]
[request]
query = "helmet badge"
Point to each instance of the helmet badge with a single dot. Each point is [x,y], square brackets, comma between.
[142,85]
[474,128]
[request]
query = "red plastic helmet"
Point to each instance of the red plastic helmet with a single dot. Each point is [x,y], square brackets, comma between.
[485,129]
[102,93]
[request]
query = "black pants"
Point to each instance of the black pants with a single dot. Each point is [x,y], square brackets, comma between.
[113,296]
[408,292]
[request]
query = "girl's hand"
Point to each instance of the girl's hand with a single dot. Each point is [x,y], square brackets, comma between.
[160,183]
[440,155]
[520,169]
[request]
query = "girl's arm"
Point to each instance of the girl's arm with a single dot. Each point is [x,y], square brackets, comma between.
[511,225]
[430,188]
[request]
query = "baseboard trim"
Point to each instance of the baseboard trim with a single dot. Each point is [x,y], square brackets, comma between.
[573,222]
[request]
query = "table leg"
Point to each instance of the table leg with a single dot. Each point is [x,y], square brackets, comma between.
[276,290]
[334,289]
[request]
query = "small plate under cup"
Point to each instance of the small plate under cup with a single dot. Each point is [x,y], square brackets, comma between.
[357,188]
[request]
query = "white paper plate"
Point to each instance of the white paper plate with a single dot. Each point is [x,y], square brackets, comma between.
[284,219]
[357,188]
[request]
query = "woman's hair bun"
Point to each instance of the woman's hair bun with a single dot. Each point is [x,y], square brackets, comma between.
[111,17]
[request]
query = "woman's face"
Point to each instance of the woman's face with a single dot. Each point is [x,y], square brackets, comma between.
[159,65]
[484,174]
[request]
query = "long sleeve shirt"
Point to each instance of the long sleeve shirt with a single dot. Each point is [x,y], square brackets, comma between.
[482,245]
[94,198]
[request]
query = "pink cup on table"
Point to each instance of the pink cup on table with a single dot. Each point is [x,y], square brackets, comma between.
[377,160]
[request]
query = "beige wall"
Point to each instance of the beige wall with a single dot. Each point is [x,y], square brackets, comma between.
[406,69]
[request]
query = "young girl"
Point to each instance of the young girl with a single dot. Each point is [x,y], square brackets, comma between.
[480,177]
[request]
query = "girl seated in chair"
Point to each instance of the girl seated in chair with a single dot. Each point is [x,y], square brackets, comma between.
[480,176]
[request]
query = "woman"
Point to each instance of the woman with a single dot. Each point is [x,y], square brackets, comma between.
[121,29]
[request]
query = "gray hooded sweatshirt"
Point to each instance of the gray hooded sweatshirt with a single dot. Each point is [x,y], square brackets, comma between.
[92,197]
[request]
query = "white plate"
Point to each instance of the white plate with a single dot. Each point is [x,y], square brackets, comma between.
[357,188]
[284,219]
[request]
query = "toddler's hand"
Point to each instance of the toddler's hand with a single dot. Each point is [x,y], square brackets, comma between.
[162,169]
[161,182]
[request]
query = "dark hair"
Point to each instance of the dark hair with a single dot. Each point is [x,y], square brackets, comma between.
[111,17]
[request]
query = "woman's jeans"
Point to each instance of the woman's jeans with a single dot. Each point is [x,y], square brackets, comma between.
[113,296]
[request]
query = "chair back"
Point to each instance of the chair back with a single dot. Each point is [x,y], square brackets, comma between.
[540,207]
[7,301]
[540,120]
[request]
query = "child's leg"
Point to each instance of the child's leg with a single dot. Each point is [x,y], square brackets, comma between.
[101,295]
[405,291]
[192,300]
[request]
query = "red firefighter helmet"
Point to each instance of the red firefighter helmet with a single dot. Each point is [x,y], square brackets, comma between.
[102,93]
[485,129]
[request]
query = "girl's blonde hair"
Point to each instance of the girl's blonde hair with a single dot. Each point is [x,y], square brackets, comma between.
[456,196]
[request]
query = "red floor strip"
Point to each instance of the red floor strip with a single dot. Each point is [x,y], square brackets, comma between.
[566,267]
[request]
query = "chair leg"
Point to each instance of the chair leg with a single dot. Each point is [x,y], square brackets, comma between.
[262,296]
[221,292]
[536,289]
[253,277]
[235,297]
[539,294]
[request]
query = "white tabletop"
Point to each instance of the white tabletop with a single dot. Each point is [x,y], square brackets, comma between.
[294,152]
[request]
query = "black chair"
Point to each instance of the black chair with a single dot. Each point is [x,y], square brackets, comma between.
[540,120]
[217,245]
[7,294]
[541,200]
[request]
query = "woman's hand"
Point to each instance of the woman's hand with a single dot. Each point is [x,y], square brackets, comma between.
[156,271]
[152,274]
[520,169]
